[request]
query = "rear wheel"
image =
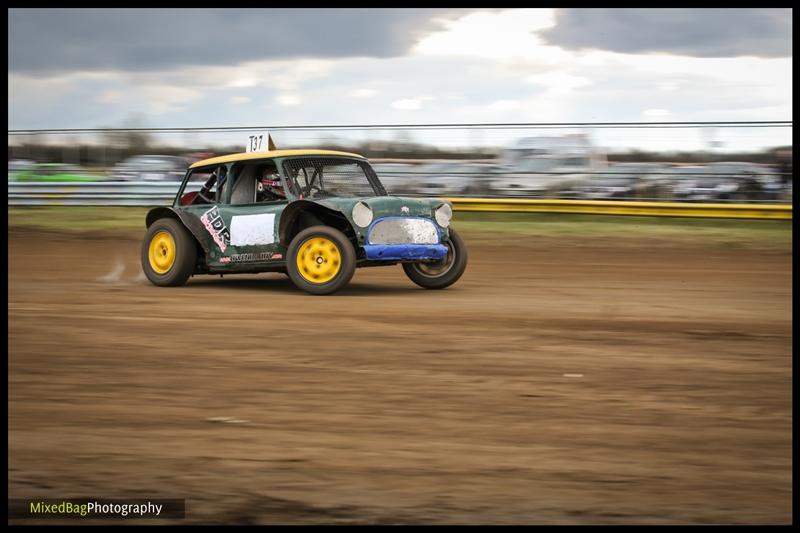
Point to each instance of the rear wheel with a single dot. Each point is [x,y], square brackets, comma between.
[320,260]
[169,253]
[444,273]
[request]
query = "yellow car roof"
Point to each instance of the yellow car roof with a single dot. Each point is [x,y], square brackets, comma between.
[266,155]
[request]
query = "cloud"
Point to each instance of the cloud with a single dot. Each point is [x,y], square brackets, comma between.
[501,36]
[242,83]
[504,105]
[363,93]
[163,99]
[685,31]
[158,39]
[410,104]
[558,82]
[289,100]
[110,97]
[522,79]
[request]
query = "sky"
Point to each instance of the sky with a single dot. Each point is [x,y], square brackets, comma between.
[88,68]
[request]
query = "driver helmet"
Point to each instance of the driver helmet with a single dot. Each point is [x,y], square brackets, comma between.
[270,181]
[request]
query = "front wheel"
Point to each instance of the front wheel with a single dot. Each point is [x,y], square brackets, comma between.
[320,260]
[169,253]
[444,273]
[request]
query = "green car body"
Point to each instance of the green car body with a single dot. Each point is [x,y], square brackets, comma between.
[336,190]
[55,173]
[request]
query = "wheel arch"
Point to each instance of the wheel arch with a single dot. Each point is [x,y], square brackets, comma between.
[190,222]
[160,212]
[301,214]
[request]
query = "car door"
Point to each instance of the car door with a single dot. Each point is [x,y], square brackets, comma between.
[203,213]
[251,225]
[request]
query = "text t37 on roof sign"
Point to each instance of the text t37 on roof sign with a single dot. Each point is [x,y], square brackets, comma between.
[259,142]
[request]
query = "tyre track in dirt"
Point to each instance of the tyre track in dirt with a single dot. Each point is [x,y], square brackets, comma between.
[560,381]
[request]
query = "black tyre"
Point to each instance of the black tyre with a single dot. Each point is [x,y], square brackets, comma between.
[169,253]
[444,273]
[320,260]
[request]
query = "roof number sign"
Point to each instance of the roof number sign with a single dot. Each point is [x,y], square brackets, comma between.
[261,142]
[257,143]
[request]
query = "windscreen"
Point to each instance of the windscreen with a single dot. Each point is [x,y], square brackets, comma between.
[319,177]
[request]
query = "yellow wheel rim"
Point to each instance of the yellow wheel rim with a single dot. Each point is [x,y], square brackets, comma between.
[162,252]
[318,260]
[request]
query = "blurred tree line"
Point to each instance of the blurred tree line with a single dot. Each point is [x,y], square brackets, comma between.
[116,146]
[771,157]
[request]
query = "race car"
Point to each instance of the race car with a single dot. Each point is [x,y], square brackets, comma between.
[315,215]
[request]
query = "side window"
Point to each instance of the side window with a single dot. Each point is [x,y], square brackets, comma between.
[205,186]
[256,183]
[269,187]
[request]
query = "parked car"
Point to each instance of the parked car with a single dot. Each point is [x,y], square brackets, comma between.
[315,215]
[652,181]
[533,177]
[150,168]
[56,172]
[398,178]
[605,186]
[702,184]
[633,181]
[755,182]
[15,166]
[481,177]
[451,179]
[573,150]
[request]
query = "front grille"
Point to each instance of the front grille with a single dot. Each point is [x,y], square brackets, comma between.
[404,231]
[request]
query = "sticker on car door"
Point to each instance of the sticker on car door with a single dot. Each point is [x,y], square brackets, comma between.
[248,230]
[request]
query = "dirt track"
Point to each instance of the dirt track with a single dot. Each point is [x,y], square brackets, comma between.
[560,381]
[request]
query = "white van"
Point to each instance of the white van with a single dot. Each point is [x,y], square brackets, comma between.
[541,166]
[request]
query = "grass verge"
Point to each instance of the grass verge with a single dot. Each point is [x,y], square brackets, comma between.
[742,232]
[749,233]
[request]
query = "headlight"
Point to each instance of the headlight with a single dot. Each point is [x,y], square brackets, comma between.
[443,215]
[362,214]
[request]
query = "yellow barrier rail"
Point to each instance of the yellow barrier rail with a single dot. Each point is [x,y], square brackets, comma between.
[611,207]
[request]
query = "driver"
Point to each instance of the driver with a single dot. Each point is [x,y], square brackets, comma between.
[269,187]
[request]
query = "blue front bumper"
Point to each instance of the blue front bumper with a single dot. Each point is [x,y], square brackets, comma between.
[405,252]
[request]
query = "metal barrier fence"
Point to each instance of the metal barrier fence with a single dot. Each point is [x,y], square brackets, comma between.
[145,194]
[623,207]
[120,193]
